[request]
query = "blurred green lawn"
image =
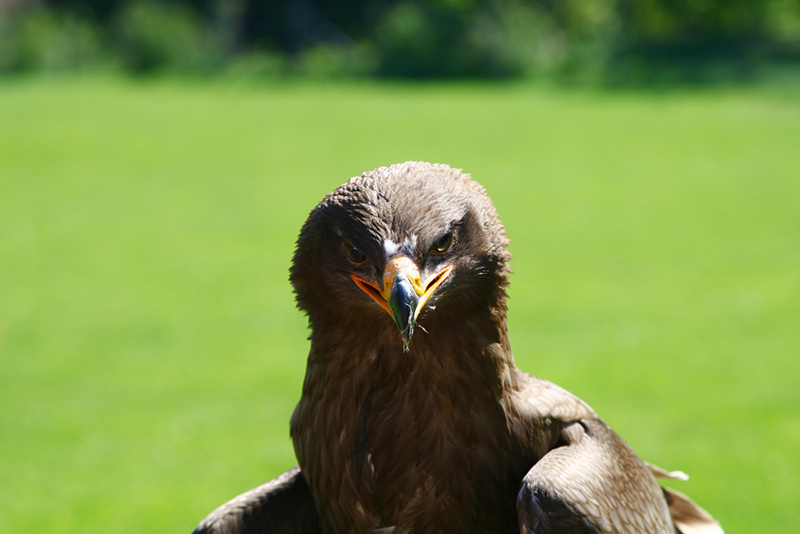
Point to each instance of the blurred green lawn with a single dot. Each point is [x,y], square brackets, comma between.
[151,354]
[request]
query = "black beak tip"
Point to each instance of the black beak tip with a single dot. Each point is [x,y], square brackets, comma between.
[403,301]
[407,333]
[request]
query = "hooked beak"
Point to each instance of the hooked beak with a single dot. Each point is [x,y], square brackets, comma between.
[402,294]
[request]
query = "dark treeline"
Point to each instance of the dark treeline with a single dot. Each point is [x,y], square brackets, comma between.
[590,40]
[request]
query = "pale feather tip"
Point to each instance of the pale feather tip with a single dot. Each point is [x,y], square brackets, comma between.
[678,475]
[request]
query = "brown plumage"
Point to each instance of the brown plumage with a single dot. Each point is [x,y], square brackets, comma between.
[413,417]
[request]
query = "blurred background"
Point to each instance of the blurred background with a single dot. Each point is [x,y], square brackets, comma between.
[614,42]
[157,159]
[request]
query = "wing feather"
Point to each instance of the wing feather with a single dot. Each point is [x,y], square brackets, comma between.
[594,483]
[283,505]
[689,518]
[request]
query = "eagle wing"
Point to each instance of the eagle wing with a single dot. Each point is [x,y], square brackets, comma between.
[591,481]
[283,505]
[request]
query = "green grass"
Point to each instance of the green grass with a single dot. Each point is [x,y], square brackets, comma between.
[151,354]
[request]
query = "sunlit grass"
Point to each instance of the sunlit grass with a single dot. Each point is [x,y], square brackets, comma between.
[151,354]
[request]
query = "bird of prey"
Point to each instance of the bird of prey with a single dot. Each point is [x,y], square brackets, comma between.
[413,416]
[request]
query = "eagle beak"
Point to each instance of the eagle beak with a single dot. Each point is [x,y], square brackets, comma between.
[403,301]
[402,295]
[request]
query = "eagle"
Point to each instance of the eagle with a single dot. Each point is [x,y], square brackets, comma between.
[413,416]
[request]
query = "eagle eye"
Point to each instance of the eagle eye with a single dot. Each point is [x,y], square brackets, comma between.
[443,244]
[354,254]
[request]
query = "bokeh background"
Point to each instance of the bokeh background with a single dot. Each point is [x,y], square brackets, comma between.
[157,160]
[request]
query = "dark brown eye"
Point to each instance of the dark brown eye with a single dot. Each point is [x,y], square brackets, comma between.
[354,255]
[443,244]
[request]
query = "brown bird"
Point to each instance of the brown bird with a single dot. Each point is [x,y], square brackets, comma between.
[413,416]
